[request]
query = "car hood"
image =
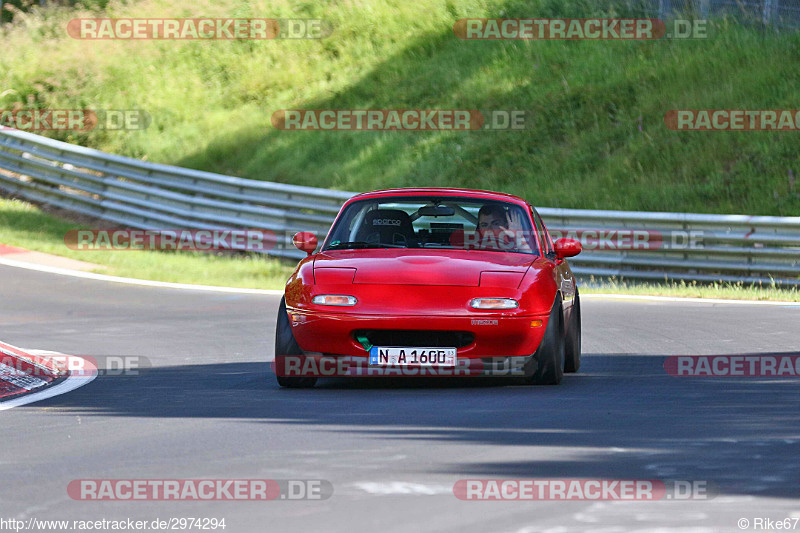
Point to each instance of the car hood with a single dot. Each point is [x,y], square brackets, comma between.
[465,268]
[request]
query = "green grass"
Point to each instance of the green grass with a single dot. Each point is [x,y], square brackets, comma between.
[26,226]
[727,291]
[597,137]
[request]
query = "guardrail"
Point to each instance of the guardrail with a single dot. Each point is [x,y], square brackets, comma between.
[146,195]
[624,244]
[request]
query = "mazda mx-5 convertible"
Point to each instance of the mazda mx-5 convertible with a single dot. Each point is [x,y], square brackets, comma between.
[431,282]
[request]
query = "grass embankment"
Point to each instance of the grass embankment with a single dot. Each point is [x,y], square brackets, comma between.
[597,138]
[26,226]
[726,291]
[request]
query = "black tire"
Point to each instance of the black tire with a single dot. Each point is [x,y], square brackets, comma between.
[285,344]
[550,355]
[572,352]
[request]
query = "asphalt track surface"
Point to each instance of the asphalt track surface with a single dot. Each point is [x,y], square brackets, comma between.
[393,450]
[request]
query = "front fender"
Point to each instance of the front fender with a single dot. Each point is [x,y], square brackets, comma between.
[300,284]
[539,287]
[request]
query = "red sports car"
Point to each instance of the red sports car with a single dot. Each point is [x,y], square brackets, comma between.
[431,282]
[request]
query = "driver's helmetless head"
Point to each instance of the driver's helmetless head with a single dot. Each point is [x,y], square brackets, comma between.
[492,216]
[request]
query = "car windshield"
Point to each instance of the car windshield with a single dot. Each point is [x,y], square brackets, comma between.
[433,223]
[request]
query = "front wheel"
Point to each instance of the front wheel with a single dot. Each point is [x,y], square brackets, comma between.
[550,355]
[285,344]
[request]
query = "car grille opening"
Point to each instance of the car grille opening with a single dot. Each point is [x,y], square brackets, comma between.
[421,338]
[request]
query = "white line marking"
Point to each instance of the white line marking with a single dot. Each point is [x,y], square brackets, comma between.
[69,384]
[642,297]
[132,281]
[402,487]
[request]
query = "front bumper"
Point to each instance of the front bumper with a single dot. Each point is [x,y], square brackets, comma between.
[492,336]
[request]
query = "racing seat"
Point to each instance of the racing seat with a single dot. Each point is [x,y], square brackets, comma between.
[387,226]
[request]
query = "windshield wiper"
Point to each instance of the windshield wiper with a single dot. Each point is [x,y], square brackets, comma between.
[362,245]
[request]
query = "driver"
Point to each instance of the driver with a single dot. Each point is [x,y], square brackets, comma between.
[500,229]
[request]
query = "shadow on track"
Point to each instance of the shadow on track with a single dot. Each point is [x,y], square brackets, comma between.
[622,416]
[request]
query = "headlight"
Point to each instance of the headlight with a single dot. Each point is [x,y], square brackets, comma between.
[334,299]
[494,303]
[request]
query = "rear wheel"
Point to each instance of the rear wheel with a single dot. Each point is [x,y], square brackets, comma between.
[572,353]
[285,344]
[550,355]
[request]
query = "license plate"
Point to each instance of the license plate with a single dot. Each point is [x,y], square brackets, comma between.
[412,356]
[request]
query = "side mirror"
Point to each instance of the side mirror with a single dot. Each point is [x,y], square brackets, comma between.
[305,241]
[567,248]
